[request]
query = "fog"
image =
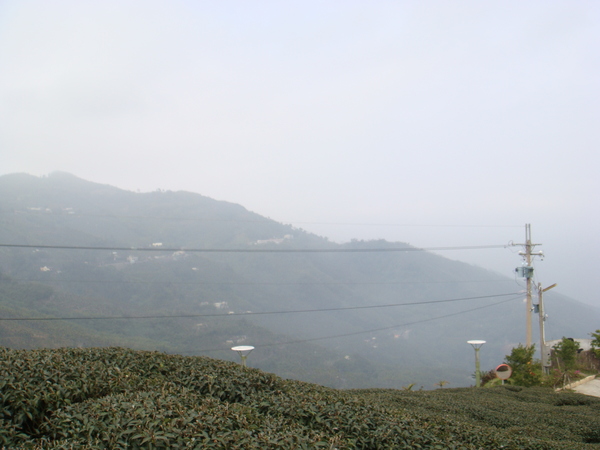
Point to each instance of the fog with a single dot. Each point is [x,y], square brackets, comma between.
[440,124]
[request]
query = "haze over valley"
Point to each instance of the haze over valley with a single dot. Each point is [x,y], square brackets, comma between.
[435,124]
[87,264]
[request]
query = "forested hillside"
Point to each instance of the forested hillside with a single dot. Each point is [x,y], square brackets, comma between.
[182,273]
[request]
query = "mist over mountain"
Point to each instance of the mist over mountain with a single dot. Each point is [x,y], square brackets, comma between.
[182,273]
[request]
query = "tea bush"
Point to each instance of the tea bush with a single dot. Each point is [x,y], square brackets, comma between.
[507,415]
[122,399]
[118,398]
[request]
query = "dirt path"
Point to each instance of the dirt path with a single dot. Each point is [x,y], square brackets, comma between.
[590,388]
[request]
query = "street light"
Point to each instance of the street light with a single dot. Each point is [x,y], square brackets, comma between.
[243,351]
[477,345]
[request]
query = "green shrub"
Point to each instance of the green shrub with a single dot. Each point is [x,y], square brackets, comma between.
[596,343]
[566,351]
[524,371]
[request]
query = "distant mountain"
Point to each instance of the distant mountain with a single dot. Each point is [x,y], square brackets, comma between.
[188,274]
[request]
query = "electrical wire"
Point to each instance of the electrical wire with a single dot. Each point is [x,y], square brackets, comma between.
[249,313]
[406,225]
[253,283]
[166,218]
[322,338]
[267,219]
[254,250]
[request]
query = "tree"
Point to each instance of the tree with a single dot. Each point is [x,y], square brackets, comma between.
[525,372]
[566,350]
[596,342]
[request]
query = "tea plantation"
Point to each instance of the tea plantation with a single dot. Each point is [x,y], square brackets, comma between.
[123,399]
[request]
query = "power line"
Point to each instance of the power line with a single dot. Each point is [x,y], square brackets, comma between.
[263,219]
[250,313]
[166,218]
[405,225]
[302,341]
[254,250]
[255,283]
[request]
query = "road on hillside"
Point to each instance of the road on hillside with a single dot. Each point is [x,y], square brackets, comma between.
[590,388]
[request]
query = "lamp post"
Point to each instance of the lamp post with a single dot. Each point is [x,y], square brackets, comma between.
[243,351]
[477,345]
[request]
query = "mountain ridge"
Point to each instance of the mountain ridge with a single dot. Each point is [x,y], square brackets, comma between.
[423,336]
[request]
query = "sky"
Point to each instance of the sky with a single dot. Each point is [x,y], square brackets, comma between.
[435,123]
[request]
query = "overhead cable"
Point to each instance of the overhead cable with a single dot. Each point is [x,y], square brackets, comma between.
[258,283]
[302,341]
[255,250]
[248,313]
[261,219]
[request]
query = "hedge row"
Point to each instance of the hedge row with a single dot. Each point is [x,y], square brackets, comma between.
[118,398]
[122,399]
[556,420]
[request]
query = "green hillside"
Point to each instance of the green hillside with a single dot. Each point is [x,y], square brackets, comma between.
[123,399]
[186,274]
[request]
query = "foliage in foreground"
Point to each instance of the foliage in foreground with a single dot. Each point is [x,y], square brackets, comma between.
[524,371]
[569,364]
[596,342]
[118,398]
[566,351]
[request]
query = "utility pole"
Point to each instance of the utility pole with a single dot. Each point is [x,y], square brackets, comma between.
[543,353]
[526,271]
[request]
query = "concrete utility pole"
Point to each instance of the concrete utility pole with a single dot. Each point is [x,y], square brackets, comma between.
[543,352]
[526,272]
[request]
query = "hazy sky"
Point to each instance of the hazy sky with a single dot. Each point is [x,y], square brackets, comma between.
[437,123]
